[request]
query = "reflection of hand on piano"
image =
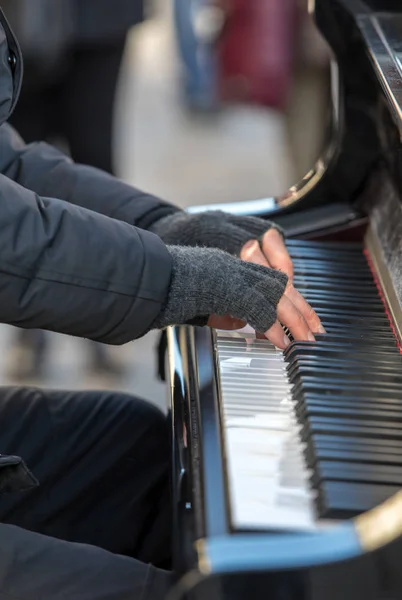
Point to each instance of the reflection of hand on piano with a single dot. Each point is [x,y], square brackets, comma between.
[292,310]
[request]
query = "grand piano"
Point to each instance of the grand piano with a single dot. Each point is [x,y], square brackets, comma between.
[287,467]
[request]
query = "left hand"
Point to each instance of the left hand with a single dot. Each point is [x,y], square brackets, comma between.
[217,229]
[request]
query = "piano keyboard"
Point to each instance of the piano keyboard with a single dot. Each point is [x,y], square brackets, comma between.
[314,434]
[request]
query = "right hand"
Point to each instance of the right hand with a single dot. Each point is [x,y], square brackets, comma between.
[293,310]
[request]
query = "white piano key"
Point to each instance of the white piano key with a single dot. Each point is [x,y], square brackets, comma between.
[267,475]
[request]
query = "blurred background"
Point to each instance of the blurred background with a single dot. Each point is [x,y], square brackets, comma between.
[198,101]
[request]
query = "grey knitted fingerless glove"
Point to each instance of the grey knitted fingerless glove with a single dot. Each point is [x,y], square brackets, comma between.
[208,281]
[212,229]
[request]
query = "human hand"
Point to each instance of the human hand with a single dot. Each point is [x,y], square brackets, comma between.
[293,310]
[217,229]
[208,281]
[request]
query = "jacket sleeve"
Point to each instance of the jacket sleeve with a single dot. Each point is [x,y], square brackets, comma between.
[48,172]
[71,270]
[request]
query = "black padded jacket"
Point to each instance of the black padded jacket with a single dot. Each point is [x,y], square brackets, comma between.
[75,253]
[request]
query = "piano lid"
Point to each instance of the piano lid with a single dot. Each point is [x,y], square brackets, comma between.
[365,37]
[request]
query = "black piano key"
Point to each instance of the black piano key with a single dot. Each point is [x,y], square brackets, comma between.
[323,302]
[390,368]
[359,444]
[337,404]
[357,472]
[326,265]
[338,277]
[344,375]
[321,349]
[361,386]
[345,500]
[306,411]
[322,281]
[336,250]
[317,247]
[341,273]
[358,355]
[367,388]
[332,325]
[390,403]
[326,268]
[359,336]
[330,254]
[327,284]
[338,364]
[349,373]
[337,263]
[339,258]
[323,306]
[356,247]
[347,385]
[370,294]
[340,455]
[333,382]
[363,391]
[324,343]
[354,315]
[334,303]
[351,427]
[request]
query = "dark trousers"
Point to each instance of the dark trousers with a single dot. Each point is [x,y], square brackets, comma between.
[98,525]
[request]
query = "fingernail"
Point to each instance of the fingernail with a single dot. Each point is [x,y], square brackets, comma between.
[310,337]
[286,341]
[321,329]
[248,244]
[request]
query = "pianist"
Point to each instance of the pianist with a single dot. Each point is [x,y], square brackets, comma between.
[84,254]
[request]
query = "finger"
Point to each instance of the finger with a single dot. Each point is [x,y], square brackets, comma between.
[251,252]
[313,320]
[275,251]
[290,316]
[277,336]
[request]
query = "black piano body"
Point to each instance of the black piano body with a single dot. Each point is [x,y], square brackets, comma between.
[355,186]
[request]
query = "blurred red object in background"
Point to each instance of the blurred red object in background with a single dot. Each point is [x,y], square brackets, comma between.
[255,51]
